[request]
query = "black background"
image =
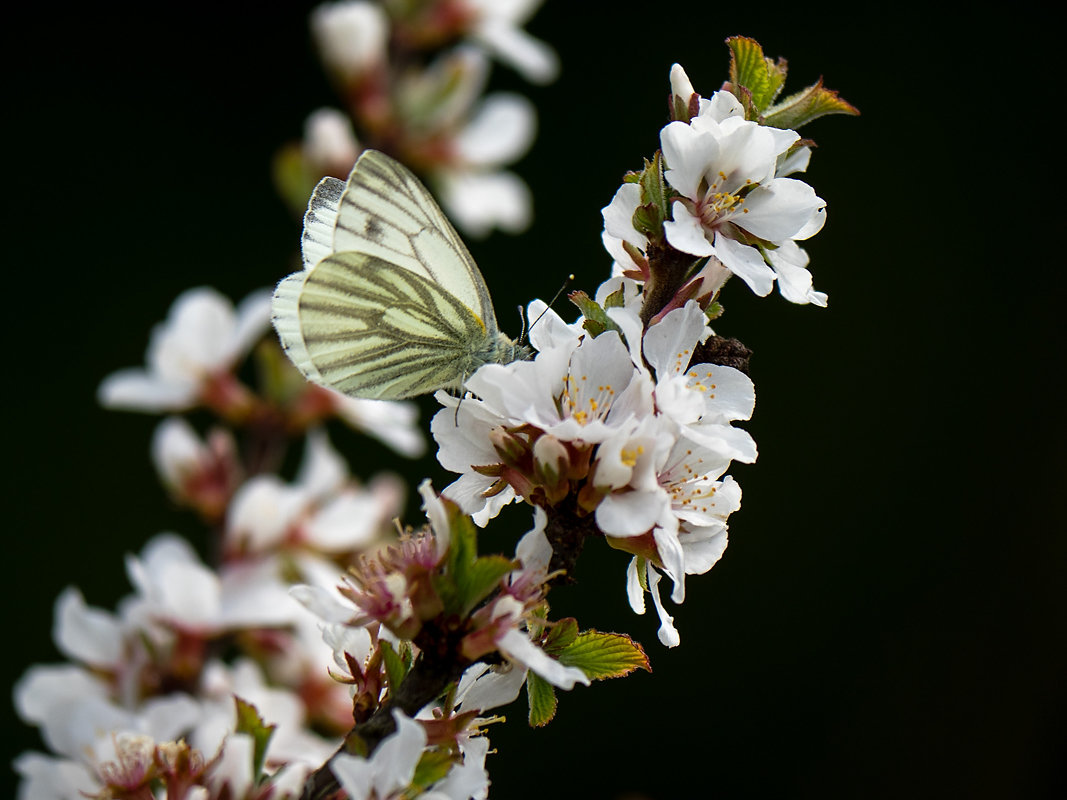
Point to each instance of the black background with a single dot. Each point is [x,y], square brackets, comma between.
[889,618]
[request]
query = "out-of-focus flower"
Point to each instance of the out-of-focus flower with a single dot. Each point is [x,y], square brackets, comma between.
[322,511]
[202,338]
[392,422]
[202,474]
[351,36]
[330,143]
[497,24]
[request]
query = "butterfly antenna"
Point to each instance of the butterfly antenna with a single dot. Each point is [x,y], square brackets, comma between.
[552,302]
[525,328]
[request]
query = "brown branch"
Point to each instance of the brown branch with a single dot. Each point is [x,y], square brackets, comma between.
[436,666]
[667,269]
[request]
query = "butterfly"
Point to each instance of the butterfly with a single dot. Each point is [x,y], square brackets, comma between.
[390,303]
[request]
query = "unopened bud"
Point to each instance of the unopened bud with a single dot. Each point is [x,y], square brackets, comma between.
[551,459]
[684,99]
[508,446]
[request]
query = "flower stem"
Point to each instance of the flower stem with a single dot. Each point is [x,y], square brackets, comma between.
[668,269]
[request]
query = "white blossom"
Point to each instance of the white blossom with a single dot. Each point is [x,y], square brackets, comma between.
[330,141]
[351,36]
[202,337]
[497,25]
[389,769]
[392,422]
[735,204]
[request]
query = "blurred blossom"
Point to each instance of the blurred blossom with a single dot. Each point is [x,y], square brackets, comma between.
[330,142]
[481,201]
[202,338]
[393,422]
[202,474]
[351,36]
[323,510]
[498,26]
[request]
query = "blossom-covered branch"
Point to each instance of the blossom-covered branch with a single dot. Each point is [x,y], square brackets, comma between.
[323,650]
[411,78]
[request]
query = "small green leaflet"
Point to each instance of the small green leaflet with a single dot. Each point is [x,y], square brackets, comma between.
[542,697]
[756,82]
[249,721]
[808,104]
[604,655]
[468,578]
[598,655]
[396,666]
[761,77]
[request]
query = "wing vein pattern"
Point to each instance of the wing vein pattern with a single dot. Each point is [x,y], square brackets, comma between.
[375,330]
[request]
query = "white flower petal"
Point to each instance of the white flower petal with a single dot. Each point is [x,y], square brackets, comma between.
[778,210]
[669,344]
[619,213]
[686,233]
[351,35]
[324,604]
[533,58]
[45,778]
[745,262]
[253,321]
[485,688]
[500,132]
[630,513]
[136,390]
[479,201]
[398,754]
[688,153]
[90,635]
[518,647]
[634,593]
[667,633]
[392,422]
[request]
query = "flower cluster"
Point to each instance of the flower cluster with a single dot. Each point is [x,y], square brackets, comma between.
[623,423]
[213,681]
[412,76]
[147,698]
[631,427]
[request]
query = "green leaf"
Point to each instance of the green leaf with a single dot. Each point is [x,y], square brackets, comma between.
[462,552]
[249,721]
[561,635]
[604,655]
[395,668]
[468,579]
[433,766]
[542,697]
[616,299]
[750,69]
[482,578]
[596,319]
[804,106]
[654,191]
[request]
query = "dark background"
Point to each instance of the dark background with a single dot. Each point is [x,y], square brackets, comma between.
[889,618]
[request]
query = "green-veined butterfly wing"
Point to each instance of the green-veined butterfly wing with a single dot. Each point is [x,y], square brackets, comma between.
[373,330]
[386,212]
[390,303]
